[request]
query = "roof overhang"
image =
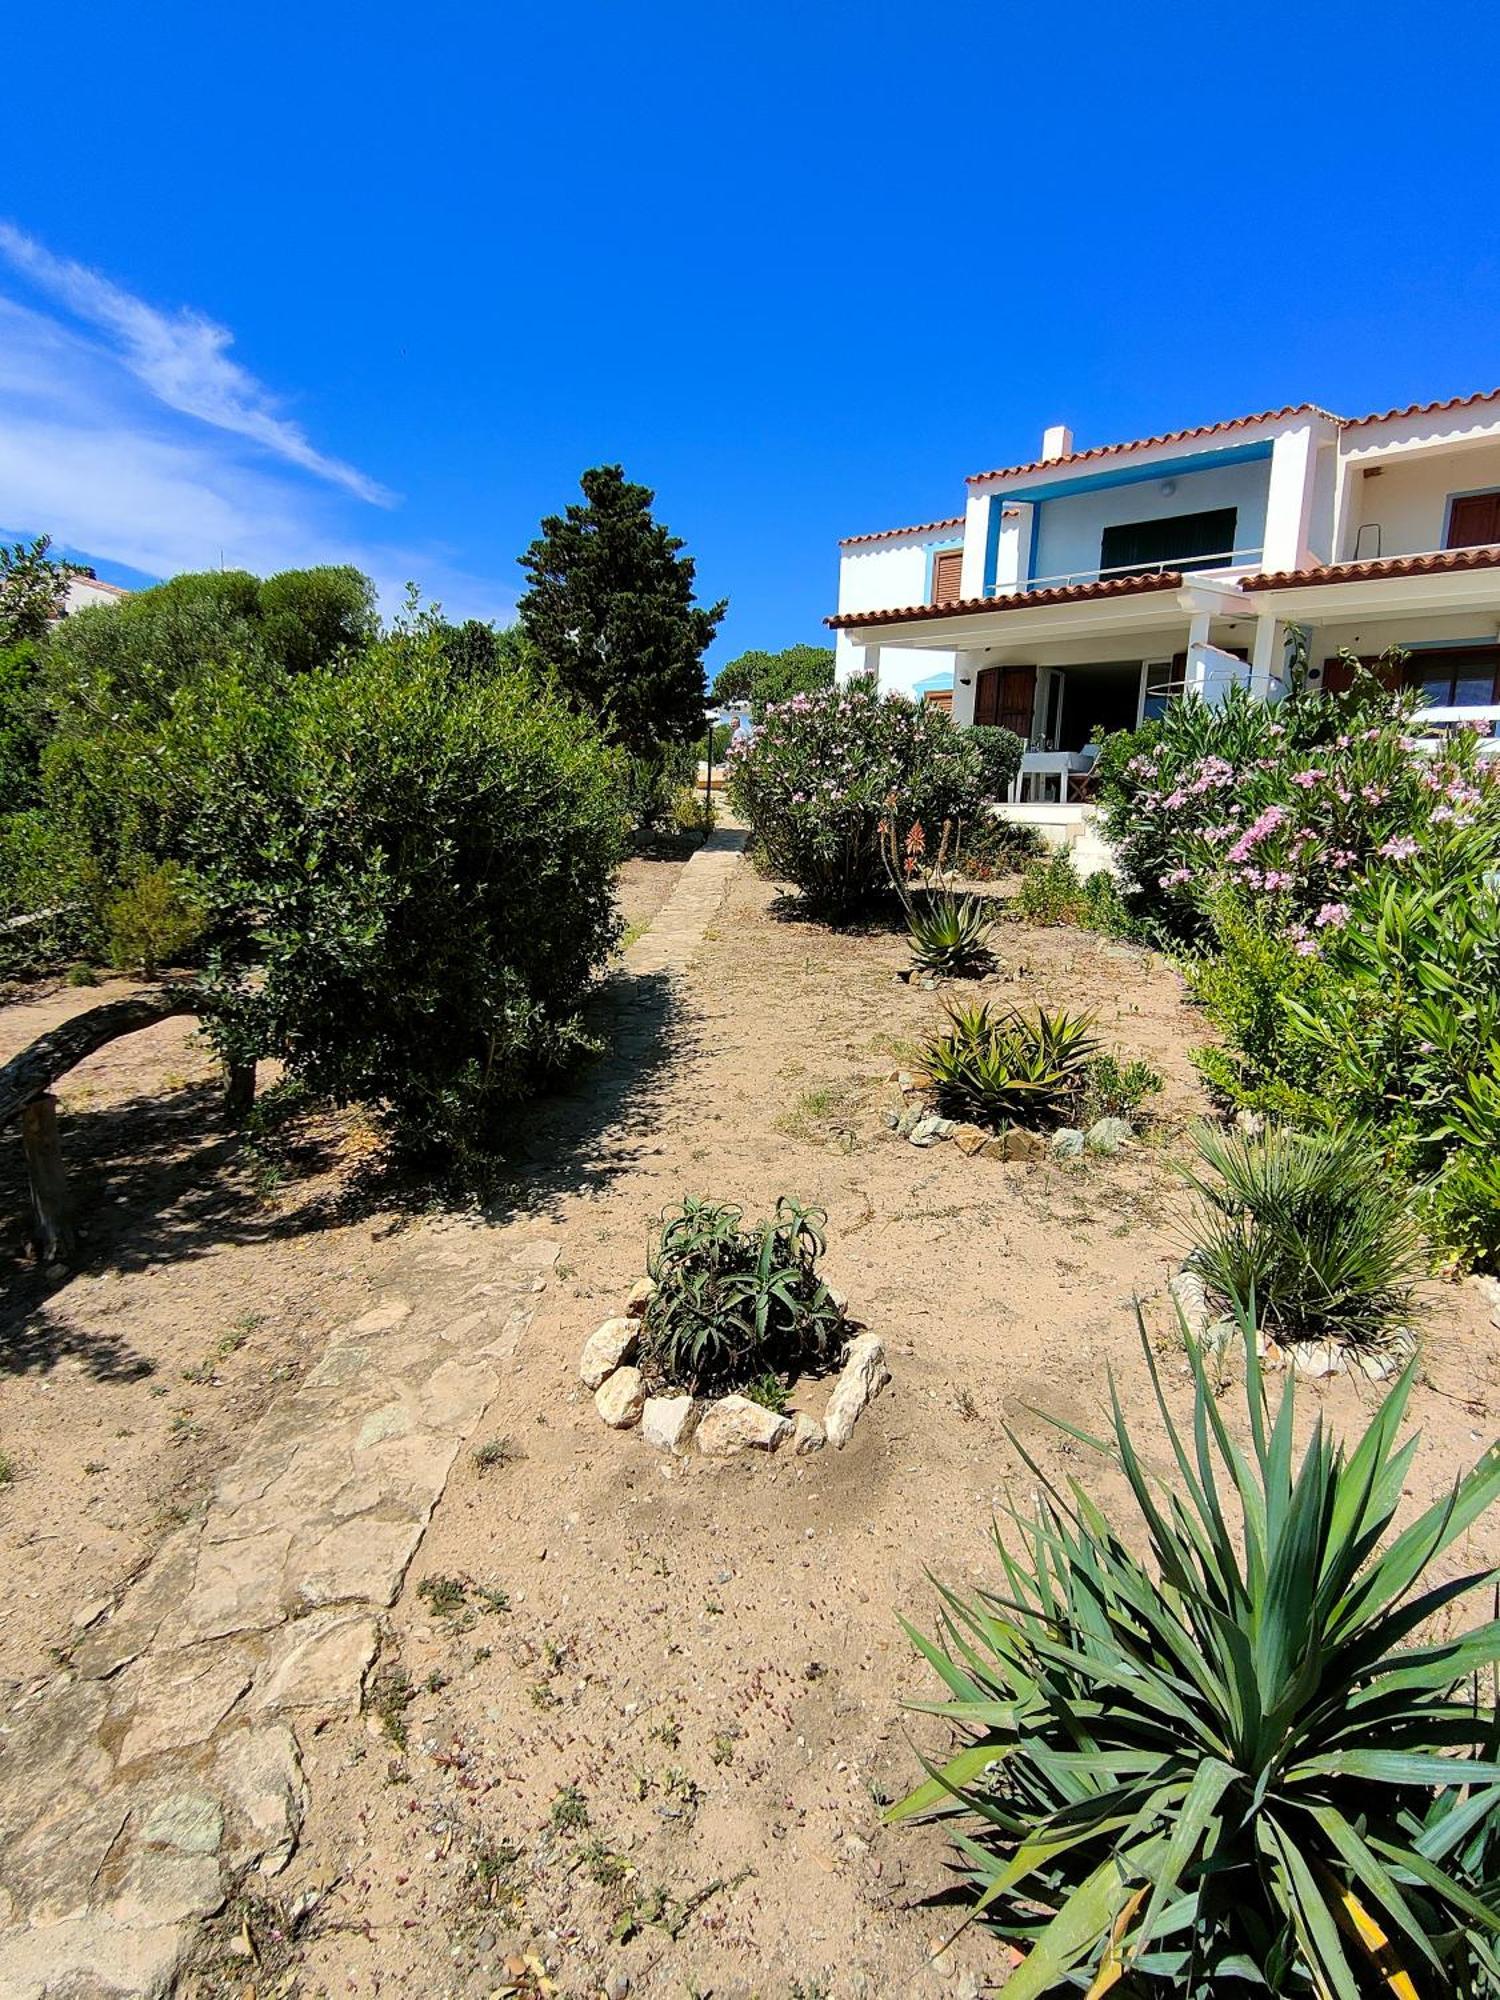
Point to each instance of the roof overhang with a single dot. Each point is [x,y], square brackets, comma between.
[1454,580]
[971,627]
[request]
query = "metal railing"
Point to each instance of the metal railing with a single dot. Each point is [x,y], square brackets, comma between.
[1222,559]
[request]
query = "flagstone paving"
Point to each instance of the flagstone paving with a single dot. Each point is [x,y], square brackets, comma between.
[142,1781]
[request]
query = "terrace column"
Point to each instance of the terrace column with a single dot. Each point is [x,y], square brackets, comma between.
[966,670]
[1195,676]
[1268,658]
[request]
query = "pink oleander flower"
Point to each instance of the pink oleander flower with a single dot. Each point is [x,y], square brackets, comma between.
[1332,917]
[1401,847]
[1174,876]
[1308,778]
[1175,799]
[1214,834]
[1305,948]
[1277,878]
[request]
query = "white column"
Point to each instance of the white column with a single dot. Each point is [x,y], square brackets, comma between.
[1289,500]
[1196,677]
[976,541]
[1268,658]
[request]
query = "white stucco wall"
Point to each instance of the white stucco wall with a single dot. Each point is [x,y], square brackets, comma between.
[1069,530]
[1410,498]
[883,576]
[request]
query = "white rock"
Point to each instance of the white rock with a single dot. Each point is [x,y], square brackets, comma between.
[1108,1135]
[620,1398]
[1187,1294]
[735,1424]
[1317,1358]
[864,1376]
[1489,1290]
[806,1435]
[642,1292]
[668,1422]
[606,1348]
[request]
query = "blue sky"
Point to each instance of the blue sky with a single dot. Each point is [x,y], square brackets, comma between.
[375,283]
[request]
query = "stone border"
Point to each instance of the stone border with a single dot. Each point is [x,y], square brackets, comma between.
[723,1426]
[1316,1359]
[920,1126]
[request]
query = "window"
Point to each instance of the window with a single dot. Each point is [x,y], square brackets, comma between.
[1183,541]
[1474,520]
[947,574]
[1456,680]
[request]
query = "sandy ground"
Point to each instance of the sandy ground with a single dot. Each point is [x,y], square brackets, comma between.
[211,1273]
[635,1720]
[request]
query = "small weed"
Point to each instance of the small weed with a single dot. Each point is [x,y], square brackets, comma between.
[491,1598]
[7,1468]
[183,1427]
[494,1865]
[570,1811]
[389,1696]
[239,1333]
[967,1408]
[201,1374]
[92,1465]
[666,1732]
[444,1596]
[722,1750]
[713,1608]
[494,1451]
[436,1681]
[541,1695]
[82,975]
[603,1866]
[769,1391]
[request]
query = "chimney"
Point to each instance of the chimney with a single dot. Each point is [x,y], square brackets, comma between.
[1057,441]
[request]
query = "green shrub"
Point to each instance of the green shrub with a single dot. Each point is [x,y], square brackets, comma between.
[734,1304]
[999,1067]
[48,897]
[993,846]
[1311,1228]
[1000,754]
[409,877]
[1225,1767]
[826,772]
[1115,1089]
[653,783]
[692,813]
[1051,891]
[153,919]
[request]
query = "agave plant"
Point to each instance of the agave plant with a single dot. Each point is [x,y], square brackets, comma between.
[950,934]
[733,1304]
[1261,1761]
[998,1066]
[1309,1224]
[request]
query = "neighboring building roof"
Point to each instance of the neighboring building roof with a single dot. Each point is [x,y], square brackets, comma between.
[1164,437]
[1485,557]
[885,534]
[1422,409]
[1070,593]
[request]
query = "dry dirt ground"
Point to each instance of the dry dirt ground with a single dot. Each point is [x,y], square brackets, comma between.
[635,1719]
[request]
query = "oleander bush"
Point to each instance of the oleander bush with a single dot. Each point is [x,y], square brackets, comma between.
[825,772]
[1244,1749]
[735,1304]
[1051,891]
[1311,1227]
[1000,754]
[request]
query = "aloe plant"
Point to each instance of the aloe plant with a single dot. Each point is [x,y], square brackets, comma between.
[1260,1761]
[999,1066]
[950,934]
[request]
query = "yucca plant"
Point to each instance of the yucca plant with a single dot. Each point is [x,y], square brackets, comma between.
[1309,1224]
[950,934]
[999,1067]
[732,1304]
[1260,1761]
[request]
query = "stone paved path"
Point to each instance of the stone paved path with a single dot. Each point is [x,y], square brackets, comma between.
[143,1780]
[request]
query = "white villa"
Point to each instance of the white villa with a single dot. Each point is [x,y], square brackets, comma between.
[1081,592]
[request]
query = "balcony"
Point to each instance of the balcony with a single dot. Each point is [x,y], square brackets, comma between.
[1224,562]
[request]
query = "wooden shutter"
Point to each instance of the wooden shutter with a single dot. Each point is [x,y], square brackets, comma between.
[1474,521]
[1006,696]
[947,571]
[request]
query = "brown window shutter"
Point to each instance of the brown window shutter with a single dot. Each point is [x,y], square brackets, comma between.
[947,575]
[1474,521]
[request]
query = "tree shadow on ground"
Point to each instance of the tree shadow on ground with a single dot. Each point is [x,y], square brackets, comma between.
[163,1178]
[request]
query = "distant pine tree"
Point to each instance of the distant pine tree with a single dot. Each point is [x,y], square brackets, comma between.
[611,610]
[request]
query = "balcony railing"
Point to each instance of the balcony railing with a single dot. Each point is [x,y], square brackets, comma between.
[1222,559]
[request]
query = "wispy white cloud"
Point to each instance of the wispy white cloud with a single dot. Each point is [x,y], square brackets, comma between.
[92,453]
[183,359]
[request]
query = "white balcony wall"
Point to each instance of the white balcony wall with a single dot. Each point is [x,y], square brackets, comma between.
[1409,501]
[1068,531]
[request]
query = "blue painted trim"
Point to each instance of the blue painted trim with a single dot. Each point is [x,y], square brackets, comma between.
[1140,475]
[932,548]
[992,544]
[1446,645]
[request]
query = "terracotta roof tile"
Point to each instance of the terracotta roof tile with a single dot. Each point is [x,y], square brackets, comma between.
[1438,564]
[1164,437]
[885,534]
[1071,593]
[1422,409]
